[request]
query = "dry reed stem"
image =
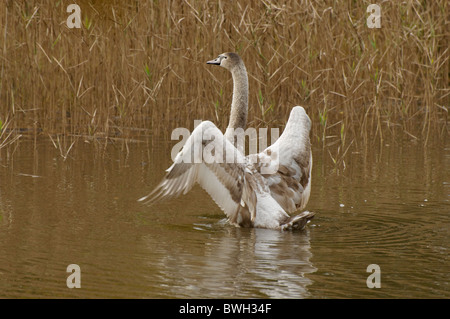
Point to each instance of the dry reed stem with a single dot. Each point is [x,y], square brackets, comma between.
[141,65]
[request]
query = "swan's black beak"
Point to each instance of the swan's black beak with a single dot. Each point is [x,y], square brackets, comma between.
[214,62]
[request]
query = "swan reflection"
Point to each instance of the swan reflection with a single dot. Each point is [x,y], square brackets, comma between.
[234,263]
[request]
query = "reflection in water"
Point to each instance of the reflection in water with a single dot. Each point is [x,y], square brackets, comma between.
[234,263]
[388,207]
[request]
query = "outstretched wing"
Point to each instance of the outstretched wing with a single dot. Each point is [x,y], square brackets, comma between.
[210,160]
[286,165]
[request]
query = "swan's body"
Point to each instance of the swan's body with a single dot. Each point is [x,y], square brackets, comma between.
[258,190]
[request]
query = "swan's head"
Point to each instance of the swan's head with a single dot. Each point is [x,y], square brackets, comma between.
[227,60]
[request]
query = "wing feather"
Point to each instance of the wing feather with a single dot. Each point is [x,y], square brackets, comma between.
[290,181]
[222,180]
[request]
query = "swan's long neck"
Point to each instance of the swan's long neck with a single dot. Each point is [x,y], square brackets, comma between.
[239,105]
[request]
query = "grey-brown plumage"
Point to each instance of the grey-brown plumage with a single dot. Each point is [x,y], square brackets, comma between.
[258,190]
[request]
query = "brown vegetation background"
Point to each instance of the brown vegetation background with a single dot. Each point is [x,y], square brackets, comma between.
[138,67]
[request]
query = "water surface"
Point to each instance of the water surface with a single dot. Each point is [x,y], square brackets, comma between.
[389,206]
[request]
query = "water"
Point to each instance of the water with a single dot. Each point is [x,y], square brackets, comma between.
[389,206]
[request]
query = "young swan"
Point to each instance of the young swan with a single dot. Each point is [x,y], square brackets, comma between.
[258,190]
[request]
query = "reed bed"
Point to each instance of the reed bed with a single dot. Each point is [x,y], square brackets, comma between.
[138,67]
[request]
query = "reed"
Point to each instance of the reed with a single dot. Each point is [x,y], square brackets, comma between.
[138,67]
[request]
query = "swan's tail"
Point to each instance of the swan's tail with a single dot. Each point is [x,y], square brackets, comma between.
[298,221]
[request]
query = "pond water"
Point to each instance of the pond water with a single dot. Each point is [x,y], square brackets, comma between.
[390,206]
